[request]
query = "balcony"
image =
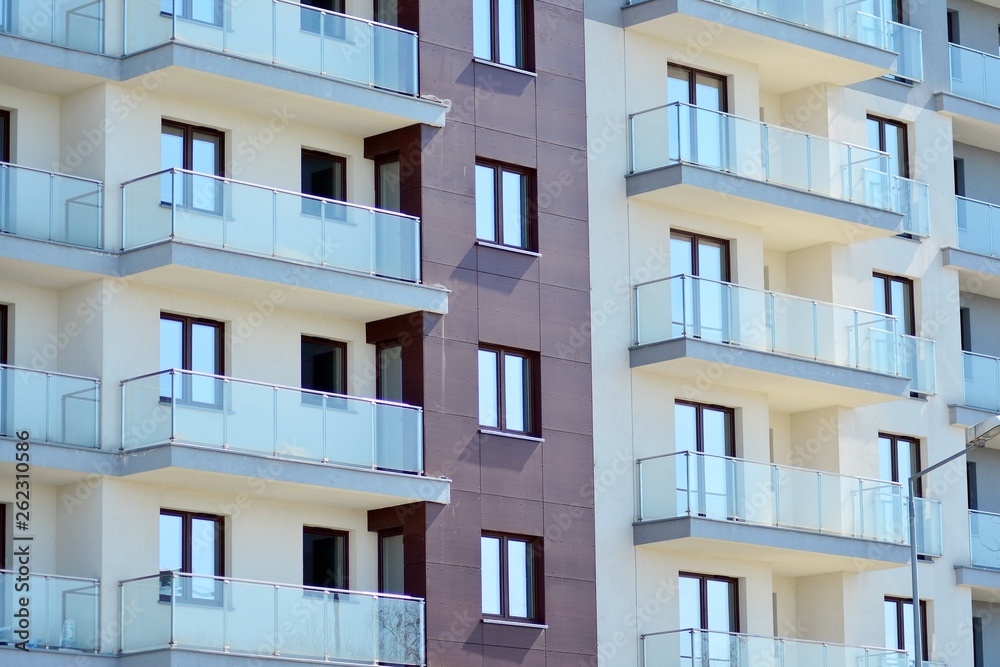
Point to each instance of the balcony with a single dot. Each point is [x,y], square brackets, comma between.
[205,223]
[282,33]
[53,408]
[180,612]
[978,250]
[719,649]
[974,99]
[175,422]
[803,521]
[803,353]
[795,44]
[64,612]
[983,572]
[51,207]
[981,390]
[73,24]
[801,189]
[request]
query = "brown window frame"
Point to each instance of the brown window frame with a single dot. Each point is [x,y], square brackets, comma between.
[527,45]
[703,580]
[187,555]
[332,26]
[532,387]
[693,73]
[700,423]
[530,204]
[187,323]
[380,347]
[187,138]
[902,614]
[894,440]
[342,346]
[910,330]
[339,159]
[382,534]
[882,122]
[694,238]
[330,532]
[536,588]
[5,136]
[381,160]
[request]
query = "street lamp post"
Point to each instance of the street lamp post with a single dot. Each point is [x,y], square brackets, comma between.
[975,437]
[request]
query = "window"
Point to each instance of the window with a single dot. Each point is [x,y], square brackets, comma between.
[708,603]
[972,481]
[509,572]
[324,558]
[965,324]
[899,624]
[953,34]
[699,255]
[978,654]
[328,25]
[960,177]
[324,176]
[4,333]
[387,185]
[387,11]
[898,458]
[191,543]
[890,136]
[893,295]
[191,344]
[506,392]
[502,216]
[697,88]
[706,314]
[4,136]
[389,372]
[390,561]
[324,365]
[195,149]
[703,486]
[203,11]
[500,31]
[3,536]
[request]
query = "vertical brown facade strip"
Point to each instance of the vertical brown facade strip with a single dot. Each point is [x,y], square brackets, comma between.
[538,303]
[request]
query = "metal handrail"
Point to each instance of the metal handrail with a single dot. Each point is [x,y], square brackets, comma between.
[51,173]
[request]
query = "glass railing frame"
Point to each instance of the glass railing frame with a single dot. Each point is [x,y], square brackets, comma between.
[225,581]
[50,374]
[994,234]
[86,582]
[972,555]
[274,46]
[226,379]
[878,653]
[100,33]
[762,153]
[965,382]
[53,175]
[770,294]
[225,181]
[984,56]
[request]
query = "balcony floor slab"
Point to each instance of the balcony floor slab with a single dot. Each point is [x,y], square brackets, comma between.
[793,553]
[983,581]
[973,122]
[791,219]
[792,384]
[979,274]
[790,56]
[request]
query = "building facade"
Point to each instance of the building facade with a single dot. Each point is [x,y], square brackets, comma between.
[291,299]
[792,210]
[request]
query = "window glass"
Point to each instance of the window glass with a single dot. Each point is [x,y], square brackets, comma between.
[391,558]
[390,373]
[388,185]
[323,365]
[489,383]
[387,11]
[486,203]
[516,397]
[4,121]
[171,542]
[204,555]
[323,175]
[515,227]
[519,578]
[678,85]
[482,21]
[509,32]
[491,575]
[324,554]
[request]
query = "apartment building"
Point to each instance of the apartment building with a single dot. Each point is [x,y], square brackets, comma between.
[794,268]
[290,299]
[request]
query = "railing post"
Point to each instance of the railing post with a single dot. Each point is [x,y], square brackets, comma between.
[277,625]
[638,486]
[860,528]
[772,319]
[121,618]
[274,413]
[173,607]
[274,32]
[374,432]
[684,316]
[48,394]
[45,612]
[857,344]
[52,203]
[819,501]
[996,370]
[274,223]
[173,404]
[765,151]
[225,617]
[372,239]
[776,493]
[809,170]
[377,627]
[815,319]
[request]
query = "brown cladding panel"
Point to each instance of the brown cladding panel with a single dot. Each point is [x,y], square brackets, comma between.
[508,312]
[454,539]
[571,610]
[562,181]
[505,100]
[505,514]
[454,603]
[462,321]
[569,532]
[448,229]
[566,398]
[568,460]
[454,654]
[503,262]
[516,645]
[505,147]
[565,252]
[511,467]
[562,115]
[558,36]
[566,326]
[451,380]
[453,449]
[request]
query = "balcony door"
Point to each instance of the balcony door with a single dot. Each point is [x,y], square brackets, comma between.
[899,625]
[703,309]
[709,609]
[706,475]
[702,132]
